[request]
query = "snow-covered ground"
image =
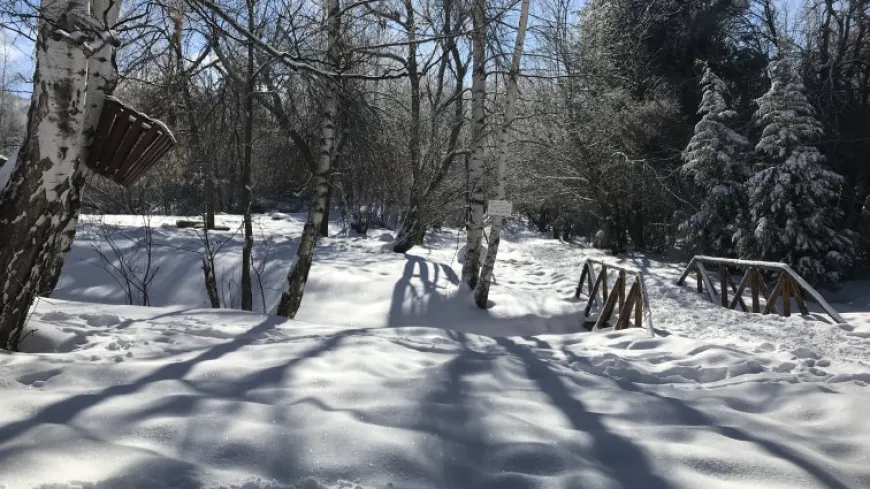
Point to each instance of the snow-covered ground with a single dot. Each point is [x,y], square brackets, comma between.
[179,396]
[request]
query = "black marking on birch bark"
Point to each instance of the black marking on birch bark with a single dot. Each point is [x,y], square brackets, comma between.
[63,94]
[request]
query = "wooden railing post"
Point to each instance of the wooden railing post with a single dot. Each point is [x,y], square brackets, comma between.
[625,311]
[582,278]
[738,291]
[638,309]
[737,295]
[786,294]
[770,306]
[594,292]
[589,281]
[723,284]
[621,289]
[711,292]
[607,311]
[798,297]
[771,299]
[756,307]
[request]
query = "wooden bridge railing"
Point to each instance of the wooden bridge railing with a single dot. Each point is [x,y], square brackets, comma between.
[788,285]
[634,303]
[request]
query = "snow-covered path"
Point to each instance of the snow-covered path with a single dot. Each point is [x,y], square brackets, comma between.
[449,397]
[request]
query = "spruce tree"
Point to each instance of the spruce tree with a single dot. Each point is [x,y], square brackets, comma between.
[715,159]
[792,205]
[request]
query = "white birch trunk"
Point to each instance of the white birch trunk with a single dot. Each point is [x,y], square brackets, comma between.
[291,298]
[474,224]
[101,82]
[481,292]
[35,206]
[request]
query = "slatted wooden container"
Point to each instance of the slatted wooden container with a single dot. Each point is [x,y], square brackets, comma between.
[127,144]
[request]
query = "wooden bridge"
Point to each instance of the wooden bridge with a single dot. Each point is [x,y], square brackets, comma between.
[787,286]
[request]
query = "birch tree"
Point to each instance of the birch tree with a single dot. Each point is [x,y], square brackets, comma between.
[40,194]
[481,292]
[102,80]
[291,297]
[474,222]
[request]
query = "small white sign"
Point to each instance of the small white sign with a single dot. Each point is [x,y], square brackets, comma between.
[499,208]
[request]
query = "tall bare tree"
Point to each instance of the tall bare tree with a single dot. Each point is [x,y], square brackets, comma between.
[248,142]
[474,223]
[481,292]
[291,297]
[429,168]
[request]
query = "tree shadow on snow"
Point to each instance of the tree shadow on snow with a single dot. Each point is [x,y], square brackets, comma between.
[65,411]
[448,412]
[692,417]
[623,461]
[420,299]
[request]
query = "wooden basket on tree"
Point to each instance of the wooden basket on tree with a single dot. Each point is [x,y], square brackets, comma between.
[787,286]
[127,143]
[633,306]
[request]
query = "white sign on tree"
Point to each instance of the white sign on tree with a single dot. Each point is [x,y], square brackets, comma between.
[499,208]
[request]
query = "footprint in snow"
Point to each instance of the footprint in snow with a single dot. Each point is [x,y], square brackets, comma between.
[37,379]
[804,352]
[101,320]
[56,316]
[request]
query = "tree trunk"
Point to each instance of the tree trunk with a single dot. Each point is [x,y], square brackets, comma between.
[413,229]
[102,80]
[210,278]
[291,298]
[474,223]
[247,249]
[481,292]
[37,202]
[324,224]
[414,223]
[209,196]
[197,149]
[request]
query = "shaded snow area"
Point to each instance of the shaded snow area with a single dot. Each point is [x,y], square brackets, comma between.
[178,396]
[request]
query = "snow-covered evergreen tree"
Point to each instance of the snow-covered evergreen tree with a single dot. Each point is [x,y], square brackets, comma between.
[715,159]
[793,209]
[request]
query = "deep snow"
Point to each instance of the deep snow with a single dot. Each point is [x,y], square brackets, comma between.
[178,396]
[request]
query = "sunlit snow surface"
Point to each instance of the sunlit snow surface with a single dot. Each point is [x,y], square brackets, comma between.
[180,396]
